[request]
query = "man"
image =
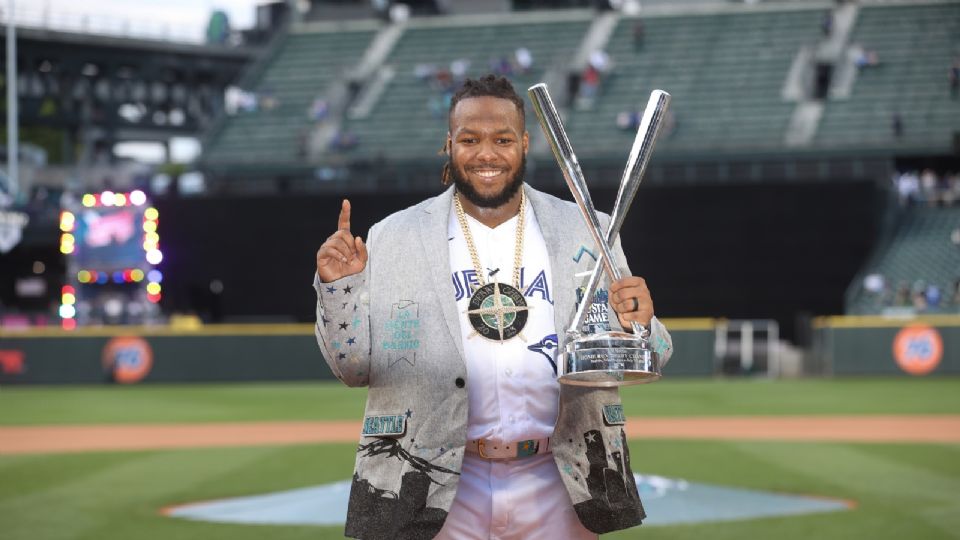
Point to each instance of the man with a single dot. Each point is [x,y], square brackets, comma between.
[451,313]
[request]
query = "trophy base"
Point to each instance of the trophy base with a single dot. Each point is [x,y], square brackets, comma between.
[609,359]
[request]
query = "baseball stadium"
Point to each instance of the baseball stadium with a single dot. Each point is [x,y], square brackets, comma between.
[173,347]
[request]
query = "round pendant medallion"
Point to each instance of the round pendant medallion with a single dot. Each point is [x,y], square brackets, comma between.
[498,311]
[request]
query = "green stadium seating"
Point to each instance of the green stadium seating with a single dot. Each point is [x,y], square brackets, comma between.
[920,249]
[401,125]
[302,70]
[725,73]
[916,45]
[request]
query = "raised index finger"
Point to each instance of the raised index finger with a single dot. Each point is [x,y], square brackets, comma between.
[343,222]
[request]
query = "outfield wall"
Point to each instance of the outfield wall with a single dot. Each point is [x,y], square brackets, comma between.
[918,346]
[223,353]
[216,353]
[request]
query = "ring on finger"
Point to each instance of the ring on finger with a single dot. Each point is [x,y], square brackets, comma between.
[636,304]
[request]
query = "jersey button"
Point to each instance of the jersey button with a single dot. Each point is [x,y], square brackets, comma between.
[460,382]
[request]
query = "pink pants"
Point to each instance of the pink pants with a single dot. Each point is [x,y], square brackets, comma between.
[520,499]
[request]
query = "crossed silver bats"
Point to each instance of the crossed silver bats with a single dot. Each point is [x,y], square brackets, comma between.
[650,122]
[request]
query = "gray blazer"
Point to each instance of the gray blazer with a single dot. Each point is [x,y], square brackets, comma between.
[394,327]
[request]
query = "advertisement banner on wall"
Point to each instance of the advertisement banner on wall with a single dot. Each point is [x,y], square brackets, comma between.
[918,349]
[127,359]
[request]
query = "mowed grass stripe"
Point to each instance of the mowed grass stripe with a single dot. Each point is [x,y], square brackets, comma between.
[180,403]
[744,397]
[117,496]
[900,491]
[924,475]
[120,495]
[333,401]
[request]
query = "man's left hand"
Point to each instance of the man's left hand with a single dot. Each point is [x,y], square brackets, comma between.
[631,299]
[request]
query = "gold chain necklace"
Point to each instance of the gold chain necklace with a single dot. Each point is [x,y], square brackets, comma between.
[518,242]
[497,311]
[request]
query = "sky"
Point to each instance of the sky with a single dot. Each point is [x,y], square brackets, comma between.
[176,18]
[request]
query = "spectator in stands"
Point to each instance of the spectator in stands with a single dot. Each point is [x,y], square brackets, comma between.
[458,70]
[897,125]
[928,187]
[918,295]
[319,110]
[874,283]
[866,58]
[237,100]
[933,296]
[826,24]
[524,60]
[303,138]
[353,90]
[943,190]
[501,66]
[573,87]
[589,83]
[951,191]
[598,65]
[875,286]
[443,80]
[908,187]
[268,99]
[600,61]
[638,34]
[424,72]
[902,297]
[954,77]
[343,141]
[628,120]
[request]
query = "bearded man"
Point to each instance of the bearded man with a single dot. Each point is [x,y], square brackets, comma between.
[450,313]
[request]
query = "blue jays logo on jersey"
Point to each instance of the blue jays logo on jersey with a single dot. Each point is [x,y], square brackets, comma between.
[546,347]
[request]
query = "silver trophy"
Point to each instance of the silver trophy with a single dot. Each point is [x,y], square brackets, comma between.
[605,358]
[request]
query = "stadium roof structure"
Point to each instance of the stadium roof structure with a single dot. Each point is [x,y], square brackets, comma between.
[129,87]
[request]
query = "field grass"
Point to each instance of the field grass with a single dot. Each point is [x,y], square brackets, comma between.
[901,490]
[333,401]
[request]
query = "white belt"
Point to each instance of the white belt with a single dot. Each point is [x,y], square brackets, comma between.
[489,449]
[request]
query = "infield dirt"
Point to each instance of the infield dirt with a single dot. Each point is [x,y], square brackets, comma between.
[125,437]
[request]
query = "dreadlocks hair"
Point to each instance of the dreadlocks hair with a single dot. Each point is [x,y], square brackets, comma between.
[489,85]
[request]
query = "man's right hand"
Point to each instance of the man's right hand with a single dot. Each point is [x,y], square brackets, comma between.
[342,254]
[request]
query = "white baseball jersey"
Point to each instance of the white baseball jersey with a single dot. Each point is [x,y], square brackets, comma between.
[513,395]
